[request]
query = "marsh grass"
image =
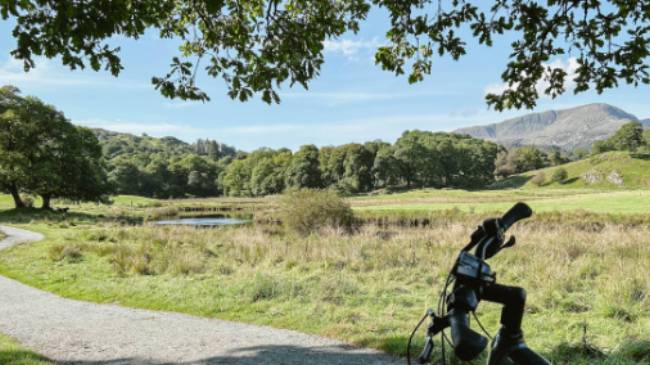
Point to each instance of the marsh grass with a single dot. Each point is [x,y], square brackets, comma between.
[368,287]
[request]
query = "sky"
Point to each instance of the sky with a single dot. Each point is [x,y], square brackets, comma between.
[352,100]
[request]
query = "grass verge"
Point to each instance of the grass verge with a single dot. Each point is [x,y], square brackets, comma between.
[12,353]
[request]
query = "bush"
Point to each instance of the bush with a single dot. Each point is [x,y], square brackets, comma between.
[560,175]
[307,211]
[539,179]
[71,254]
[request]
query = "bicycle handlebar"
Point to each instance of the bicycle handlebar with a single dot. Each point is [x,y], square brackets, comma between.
[518,212]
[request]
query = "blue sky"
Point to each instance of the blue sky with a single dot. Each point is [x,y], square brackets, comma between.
[351,101]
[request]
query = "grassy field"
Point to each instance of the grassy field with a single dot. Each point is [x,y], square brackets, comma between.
[541,200]
[583,260]
[12,353]
[368,287]
[633,169]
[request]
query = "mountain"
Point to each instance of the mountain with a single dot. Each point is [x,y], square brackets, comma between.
[568,128]
[646,122]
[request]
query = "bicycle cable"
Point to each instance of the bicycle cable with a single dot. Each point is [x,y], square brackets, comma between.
[408,347]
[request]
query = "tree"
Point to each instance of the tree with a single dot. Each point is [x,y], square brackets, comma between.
[518,160]
[629,137]
[16,140]
[602,147]
[268,175]
[386,169]
[555,157]
[416,162]
[44,154]
[304,169]
[73,169]
[256,45]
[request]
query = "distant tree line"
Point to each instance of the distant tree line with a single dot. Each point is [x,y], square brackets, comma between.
[163,167]
[521,159]
[416,159]
[42,153]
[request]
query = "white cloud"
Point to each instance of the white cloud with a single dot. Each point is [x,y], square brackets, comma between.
[157,129]
[570,66]
[252,135]
[46,73]
[350,48]
[349,97]
[181,104]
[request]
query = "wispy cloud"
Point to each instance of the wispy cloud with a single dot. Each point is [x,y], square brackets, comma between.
[570,66]
[249,135]
[350,48]
[157,129]
[387,128]
[181,104]
[349,97]
[45,73]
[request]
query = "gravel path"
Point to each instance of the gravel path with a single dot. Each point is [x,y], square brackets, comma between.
[75,332]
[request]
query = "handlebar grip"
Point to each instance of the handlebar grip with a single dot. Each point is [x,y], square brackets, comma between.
[468,344]
[518,212]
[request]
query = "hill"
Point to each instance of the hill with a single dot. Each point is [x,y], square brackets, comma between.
[611,170]
[568,129]
[115,144]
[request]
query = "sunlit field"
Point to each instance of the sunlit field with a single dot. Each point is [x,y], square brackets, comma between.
[596,201]
[584,271]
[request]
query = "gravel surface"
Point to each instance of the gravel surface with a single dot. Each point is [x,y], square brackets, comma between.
[75,332]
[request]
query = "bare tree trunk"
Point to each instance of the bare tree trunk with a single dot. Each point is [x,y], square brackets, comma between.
[46,202]
[18,202]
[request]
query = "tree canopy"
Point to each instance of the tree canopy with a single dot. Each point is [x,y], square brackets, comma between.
[255,46]
[42,153]
[630,137]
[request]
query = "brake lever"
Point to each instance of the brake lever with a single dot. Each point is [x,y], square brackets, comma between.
[436,325]
[511,242]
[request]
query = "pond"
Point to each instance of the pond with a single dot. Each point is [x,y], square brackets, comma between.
[202,222]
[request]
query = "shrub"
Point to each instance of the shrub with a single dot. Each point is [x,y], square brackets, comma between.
[307,211]
[539,179]
[560,175]
[71,254]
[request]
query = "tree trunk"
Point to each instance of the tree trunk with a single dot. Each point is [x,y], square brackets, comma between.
[46,202]
[18,202]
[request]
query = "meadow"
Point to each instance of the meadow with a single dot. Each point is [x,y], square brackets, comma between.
[583,264]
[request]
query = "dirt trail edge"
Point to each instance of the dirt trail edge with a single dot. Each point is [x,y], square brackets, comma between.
[75,332]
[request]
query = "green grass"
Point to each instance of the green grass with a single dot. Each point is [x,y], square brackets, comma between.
[583,260]
[12,353]
[541,200]
[367,288]
[633,168]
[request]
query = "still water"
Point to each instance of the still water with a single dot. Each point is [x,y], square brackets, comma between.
[203,222]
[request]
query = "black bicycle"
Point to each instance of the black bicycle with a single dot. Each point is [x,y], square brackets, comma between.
[473,281]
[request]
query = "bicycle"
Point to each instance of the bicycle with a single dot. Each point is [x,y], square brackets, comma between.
[473,281]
